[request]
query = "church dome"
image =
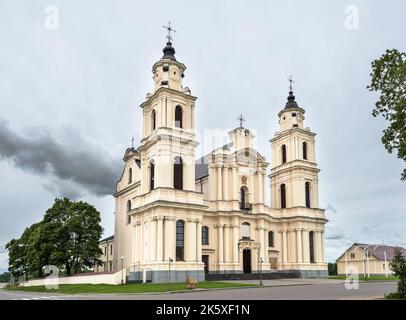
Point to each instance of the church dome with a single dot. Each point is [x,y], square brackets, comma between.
[169,52]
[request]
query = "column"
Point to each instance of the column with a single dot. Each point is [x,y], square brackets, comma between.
[317,239]
[225,182]
[323,257]
[299,245]
[220,244]
[266,258]
[219,184]
[262,243]
[138,243]
[159,245]
[152,240]
[235,186]
[260,191]
[227,251]
[212,179]
[190,244]
[133,245]
[306,249]
[199,241]
[284,247]
[170,238]
[263,187]
[236,238]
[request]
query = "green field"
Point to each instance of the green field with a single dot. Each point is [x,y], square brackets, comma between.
[371,278]
[128,288]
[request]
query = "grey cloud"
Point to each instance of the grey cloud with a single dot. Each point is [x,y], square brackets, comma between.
[84,165]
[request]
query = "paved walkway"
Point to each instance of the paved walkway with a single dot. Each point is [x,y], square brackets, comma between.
[285,289]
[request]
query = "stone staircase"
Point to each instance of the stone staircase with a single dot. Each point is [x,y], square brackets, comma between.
[253,276]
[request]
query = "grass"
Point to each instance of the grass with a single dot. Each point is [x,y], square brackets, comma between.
[128,288]
[371,278]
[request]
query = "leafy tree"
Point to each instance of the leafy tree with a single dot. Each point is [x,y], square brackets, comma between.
[389,78]
[5,277]
[332,269]
[398,266]
[74,230]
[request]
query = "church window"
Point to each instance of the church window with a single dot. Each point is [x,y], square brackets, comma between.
[153,120]
[128,211]
[352,255]
[293,114]
[244,198]
[270,239]
[180,240]
[283,196]
[152,176]
[246,231]
[283,150]
[178,173]
[178,117]
[205,235]
[305,150]
[311,245]
[130,175]
[307,193]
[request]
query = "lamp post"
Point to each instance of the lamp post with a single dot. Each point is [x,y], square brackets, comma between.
[169,272]
[260,271]
[122,270]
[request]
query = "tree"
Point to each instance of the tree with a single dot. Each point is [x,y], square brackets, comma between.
[398,266]
[389,78]
[5,277]
[74,230]
[332,269]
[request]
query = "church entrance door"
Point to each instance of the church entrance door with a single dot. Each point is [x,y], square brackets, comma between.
[246,260]
[205,259]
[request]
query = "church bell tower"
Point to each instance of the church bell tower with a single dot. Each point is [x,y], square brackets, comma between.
[294,177]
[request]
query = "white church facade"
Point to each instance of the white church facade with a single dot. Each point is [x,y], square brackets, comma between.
[209,215]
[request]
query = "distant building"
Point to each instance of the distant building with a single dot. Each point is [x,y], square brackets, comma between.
[372,259]
[107,246]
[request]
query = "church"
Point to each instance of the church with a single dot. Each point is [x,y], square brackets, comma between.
[181,216]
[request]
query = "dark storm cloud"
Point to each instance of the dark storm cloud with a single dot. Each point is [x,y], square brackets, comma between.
[40,153]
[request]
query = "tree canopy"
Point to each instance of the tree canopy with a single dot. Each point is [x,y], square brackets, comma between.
[67,237]
[388,77]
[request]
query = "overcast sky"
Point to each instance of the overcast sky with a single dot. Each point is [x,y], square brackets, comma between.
[69,97]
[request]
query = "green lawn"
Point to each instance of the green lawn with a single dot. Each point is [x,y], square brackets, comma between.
[371,278]
[128,288]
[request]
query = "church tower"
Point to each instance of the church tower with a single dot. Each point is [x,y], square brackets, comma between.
[294,194]
[294,178]
[159,215]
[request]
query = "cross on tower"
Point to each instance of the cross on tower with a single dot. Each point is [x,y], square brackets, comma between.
[290,84]
[132,142]
[170,29]
[241,119]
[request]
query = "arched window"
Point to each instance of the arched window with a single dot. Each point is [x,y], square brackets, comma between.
[152,175]
[180,240]
[128,211]
[305,150]
[270,239]
[244,198]
[246,231]
[283,196]
[178,117]
[311,245]
[178,173]
[283,149]
[153,120]
[205,235]
[307,194]
[130,176]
